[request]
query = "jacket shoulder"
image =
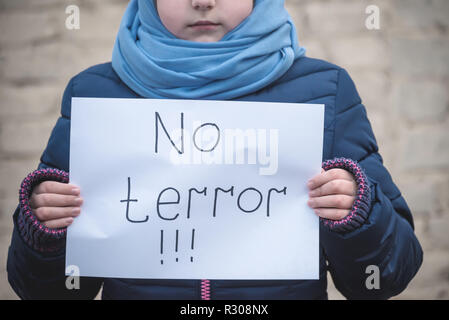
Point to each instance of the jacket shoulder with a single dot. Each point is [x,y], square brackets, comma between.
[306,66]
[98,81]
[308,80]
[102,70]
[332,78]
[95,81]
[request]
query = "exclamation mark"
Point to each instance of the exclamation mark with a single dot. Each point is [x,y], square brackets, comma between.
[192,243]
[162,245]
[176,244]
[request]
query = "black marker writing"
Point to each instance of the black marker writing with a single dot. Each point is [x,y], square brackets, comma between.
[159,203]
[128,200]
[176,243]
[258,205]
[162,245]
[192,243]
[175,199]
[284,191]
[157,120]
[217,141]
[190,198]
[215,198]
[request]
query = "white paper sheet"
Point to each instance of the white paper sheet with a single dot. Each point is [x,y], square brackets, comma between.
[166,215]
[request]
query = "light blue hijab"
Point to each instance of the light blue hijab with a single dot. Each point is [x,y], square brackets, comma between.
[155,64]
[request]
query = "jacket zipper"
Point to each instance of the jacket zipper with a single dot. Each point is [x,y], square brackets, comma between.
[205,289]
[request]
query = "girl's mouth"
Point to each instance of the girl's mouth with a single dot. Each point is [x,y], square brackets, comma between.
[204,25]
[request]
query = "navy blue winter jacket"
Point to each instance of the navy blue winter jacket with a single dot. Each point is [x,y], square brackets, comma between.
[386,239]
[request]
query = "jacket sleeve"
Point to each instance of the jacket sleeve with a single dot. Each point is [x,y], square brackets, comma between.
[40,274]
[386,241]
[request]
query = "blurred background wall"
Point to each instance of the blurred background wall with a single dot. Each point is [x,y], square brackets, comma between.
[401,71]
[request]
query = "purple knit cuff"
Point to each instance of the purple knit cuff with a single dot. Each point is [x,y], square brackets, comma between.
[362,203]
[35,234]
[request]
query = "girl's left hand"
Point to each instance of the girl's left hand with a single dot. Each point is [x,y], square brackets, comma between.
[332,193]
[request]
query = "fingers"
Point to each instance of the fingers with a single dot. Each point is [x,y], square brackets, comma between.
[332,201]
[339,186]
[332,193]
[56,188]
[332,214]
[53,213]
[54,200]
[325,177]
[58,223]
[56,204]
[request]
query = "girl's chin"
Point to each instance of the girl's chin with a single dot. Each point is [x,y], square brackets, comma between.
[205,37]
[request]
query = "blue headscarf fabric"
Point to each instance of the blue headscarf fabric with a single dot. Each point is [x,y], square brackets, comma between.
[156,64]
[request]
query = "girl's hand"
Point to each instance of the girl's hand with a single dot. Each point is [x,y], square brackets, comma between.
[55,204]
[332,193]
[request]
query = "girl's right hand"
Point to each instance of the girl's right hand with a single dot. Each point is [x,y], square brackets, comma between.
[56,204]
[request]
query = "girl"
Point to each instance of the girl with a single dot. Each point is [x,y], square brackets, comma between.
[229,50]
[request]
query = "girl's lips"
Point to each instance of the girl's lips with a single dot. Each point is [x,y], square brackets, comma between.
[204,25]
